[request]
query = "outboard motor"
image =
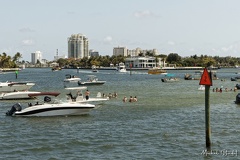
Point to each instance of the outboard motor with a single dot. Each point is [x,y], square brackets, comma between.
[238,86]
[15,107]
[237,99]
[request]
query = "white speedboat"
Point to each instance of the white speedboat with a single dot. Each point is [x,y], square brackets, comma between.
[80,98]
[17,95]
[71,78]
[94,68]
[121,67]
[50,108]
[15,86]
[170,78]
[92,80]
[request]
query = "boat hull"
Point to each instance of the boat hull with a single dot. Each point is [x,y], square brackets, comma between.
[65,109]
[91,83]
[156,71]
[72,80]
[17,95]
[11,87]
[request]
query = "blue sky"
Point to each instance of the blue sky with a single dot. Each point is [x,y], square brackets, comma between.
[186,27]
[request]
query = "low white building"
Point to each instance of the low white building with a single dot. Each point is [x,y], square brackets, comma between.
[144,62]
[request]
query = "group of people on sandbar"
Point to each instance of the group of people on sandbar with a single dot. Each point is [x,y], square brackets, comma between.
[131,99]
[221,89]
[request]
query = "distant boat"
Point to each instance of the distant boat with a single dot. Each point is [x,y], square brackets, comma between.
[71,78]
[121,67]
[92,80]
[56,68]
[94,68]
[15,86]
[170,78]
[156,70]
[197,75]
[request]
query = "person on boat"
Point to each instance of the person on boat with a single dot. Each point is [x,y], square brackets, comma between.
[124,99]
[135,99]
[87,94]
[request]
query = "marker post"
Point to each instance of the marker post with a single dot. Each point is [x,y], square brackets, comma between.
[207,81]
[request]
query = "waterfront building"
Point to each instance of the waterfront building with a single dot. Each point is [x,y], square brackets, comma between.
[93,53]
[144,62]
[133,52]
[37,56]
[78,46]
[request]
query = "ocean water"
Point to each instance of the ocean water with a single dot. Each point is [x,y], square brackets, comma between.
[167,122]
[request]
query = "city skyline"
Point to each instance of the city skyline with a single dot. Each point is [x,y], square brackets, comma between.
[185,27]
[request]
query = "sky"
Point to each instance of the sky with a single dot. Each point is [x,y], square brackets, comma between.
[185,27]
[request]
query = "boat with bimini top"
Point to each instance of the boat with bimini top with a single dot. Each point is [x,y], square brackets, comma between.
[71,78]
[91,80]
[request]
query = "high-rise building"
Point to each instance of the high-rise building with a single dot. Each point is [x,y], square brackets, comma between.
[117,51]
[37,56]
[78,46]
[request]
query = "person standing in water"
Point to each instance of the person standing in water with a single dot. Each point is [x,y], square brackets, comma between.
[87,93]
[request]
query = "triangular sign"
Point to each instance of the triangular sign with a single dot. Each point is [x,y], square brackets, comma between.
[205,79]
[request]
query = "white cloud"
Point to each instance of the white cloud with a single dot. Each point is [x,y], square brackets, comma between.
[28,42]
[108,39]
[145,13]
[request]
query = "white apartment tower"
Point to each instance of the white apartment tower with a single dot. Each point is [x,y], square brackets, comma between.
[78,46]
[36,56]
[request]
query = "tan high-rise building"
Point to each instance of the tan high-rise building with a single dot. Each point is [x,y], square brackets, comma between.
[78,46]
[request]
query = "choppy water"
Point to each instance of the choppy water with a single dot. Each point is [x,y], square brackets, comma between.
[167,122]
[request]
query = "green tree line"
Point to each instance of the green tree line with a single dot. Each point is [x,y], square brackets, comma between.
[7,61]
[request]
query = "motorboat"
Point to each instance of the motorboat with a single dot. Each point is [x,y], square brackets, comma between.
[50,107]
[91,80]
[237,78]
[198,74]
[71,78]
[9,86]
[121,67]
[79,96]
[56,68]
[156,70]
[237,99]
[169,78]
[17,95]
[94,68]
[188,76]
